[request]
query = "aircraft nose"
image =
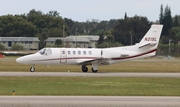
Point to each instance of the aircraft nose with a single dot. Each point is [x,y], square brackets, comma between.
[19,60]
[25,59]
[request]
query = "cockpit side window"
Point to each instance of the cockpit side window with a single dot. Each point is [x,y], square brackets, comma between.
[42,51]
[45,52]
[48,52]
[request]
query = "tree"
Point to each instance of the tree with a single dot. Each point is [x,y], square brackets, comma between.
[166,20]
[55,32]
[53,13]
[42,37]
[161,16]
[135,26]
[58,42]
[50,20]
[175,34]
[176,22]
[16,26]
[70,24]
[100,32]
[125,16]
[110,38]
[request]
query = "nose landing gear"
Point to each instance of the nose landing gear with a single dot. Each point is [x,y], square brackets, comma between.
[32,69]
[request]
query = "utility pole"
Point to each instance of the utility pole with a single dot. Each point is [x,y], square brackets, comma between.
[63,36]
[131,37]
[76,36]
[169,46]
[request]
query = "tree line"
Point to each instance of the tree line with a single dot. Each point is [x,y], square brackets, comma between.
[115,32]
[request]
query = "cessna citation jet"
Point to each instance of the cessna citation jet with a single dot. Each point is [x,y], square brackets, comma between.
[90,56]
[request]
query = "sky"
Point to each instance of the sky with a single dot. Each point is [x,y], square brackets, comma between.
[83,10]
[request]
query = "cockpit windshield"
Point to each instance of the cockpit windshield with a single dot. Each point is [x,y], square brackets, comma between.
[45,51]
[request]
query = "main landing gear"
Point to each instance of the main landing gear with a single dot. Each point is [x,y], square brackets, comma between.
[85,69]
[93,70]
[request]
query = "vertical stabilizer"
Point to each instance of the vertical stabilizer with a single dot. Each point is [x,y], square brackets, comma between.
[151,39]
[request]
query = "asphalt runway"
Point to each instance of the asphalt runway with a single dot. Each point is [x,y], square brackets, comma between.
[88,101]
[78,74]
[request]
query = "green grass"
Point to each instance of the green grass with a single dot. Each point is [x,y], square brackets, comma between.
[108,86]
[167,65]
[115,86]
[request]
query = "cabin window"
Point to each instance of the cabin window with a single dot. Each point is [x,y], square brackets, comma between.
[84,52]
[69,52]
[79,52]
[74,52]
[63,52]
[90,53]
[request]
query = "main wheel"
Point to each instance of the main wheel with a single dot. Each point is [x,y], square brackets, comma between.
[94,71]
[84,69]
[32,69]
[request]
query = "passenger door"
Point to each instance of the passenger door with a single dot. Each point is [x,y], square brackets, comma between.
[63,56]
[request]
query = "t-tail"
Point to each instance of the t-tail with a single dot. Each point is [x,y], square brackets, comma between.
[152,37]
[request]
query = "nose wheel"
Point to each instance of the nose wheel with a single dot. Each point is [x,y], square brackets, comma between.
[32,69]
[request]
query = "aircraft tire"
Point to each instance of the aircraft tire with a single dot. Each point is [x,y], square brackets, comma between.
[32,69]
[84,69]
[94,71]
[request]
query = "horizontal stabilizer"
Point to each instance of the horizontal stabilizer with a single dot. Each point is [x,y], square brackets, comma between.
[148,45]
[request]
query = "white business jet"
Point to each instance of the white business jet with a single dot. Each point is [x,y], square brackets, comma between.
[90,56]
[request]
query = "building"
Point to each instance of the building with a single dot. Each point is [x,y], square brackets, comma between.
[74,41]
[29,43]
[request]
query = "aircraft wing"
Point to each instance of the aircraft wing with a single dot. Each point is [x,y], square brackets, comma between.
[101,61]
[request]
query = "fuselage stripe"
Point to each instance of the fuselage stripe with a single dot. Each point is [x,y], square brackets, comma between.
[135,55]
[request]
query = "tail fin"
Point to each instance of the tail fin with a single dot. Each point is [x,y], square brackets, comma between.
[151,39]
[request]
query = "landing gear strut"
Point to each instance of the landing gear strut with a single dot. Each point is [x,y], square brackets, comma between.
[32,69]
[94,66]
[84,68]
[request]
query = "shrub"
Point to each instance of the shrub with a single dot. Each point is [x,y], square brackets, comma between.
[2,47]
[17,47]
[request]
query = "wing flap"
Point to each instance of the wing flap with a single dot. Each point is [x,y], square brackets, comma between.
[86,62]
[101,61]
